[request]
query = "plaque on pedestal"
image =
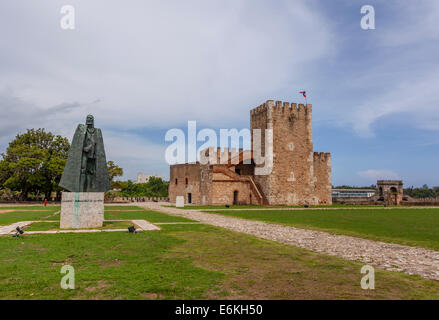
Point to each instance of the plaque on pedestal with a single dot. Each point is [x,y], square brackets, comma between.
[81,210]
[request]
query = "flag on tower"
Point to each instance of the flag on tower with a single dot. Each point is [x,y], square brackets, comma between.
[303,93]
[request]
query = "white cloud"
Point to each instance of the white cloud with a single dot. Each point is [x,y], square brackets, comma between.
[372,175]
[416,97]
[390,77]
[149,64]
[135,154]
[418,24]
[160,62]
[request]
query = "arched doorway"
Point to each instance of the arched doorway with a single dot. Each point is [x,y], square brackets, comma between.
[235,197]
[189,198]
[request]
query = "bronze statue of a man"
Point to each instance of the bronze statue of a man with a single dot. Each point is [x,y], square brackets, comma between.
[86,167]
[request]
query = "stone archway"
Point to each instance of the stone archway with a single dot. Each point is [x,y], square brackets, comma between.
[391,191]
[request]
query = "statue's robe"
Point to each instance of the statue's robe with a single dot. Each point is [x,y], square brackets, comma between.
[71,177]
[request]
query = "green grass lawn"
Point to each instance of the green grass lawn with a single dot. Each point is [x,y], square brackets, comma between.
[186,261]
[26,213]
[50,226]
[36,213]
[415,227]
[133,212]
[336,205]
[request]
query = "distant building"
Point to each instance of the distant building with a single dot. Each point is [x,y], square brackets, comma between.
[353,193]
[390,191]
[144,178]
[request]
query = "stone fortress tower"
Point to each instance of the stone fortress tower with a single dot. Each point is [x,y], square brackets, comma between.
[299,175]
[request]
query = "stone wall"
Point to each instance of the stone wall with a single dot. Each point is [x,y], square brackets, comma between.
[260,118]
[356,201]
[137,199]
[210,187]
[185,180]
[223,192]
[420,202]
[322,178]
[206,177]
[292,178]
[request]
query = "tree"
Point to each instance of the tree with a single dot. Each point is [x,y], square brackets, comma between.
[155,187]
[34,162]
[114,171]
[158,186]
[423,192]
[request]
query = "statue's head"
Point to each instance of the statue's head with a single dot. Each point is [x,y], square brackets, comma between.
[90,121]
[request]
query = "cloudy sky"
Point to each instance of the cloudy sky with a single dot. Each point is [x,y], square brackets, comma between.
[143,67]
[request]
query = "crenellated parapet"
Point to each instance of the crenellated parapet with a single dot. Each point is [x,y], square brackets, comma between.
[322,156]
[261,108]
[224,156]
[283,108]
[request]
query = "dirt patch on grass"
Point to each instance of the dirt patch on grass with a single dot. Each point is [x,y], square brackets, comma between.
[149,295]
[67,261]
[100,285]
[6,211]
[114,263]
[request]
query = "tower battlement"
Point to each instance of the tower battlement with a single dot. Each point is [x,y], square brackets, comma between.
[322,156]
[286,108]
[224,156]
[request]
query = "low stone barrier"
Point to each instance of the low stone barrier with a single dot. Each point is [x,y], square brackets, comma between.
[138,199]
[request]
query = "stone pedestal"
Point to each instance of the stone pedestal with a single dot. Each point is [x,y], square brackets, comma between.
[81,210]
[179,201]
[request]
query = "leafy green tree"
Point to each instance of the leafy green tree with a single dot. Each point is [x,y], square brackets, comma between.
[155,187]
[158,186]
[34,162]
[423,192]
[114,171]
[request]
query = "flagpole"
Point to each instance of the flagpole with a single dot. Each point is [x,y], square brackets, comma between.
[303,92]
